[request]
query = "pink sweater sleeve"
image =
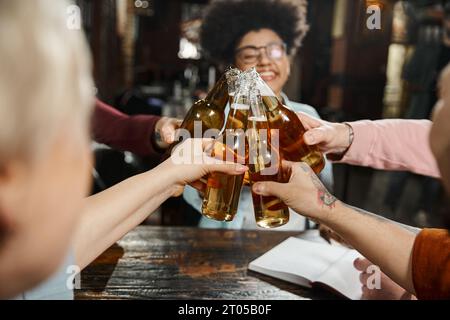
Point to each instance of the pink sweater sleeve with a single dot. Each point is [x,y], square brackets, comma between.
[393,145]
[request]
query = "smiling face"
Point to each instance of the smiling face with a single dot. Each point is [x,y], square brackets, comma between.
[274,70]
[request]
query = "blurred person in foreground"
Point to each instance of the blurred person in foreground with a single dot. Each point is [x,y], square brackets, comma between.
[47,225]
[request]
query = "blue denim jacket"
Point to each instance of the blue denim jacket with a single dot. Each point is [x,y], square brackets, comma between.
[244,219]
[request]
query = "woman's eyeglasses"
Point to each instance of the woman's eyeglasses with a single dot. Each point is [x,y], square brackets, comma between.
[251,54]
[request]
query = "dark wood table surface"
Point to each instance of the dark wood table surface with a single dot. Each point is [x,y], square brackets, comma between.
[188,263]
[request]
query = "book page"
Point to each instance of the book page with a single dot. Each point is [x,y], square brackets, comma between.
[343,277]
[312,236]
[298,261]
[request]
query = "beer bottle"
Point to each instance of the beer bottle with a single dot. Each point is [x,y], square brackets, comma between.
[264,162]
[223,191]
[210,112]
[290,129]
[207,113]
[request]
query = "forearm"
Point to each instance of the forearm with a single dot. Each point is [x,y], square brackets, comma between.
[109,215]
[393,145]
[385,243]
[412,229]
[126,133]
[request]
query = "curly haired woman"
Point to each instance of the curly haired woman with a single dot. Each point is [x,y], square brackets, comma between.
[265,34]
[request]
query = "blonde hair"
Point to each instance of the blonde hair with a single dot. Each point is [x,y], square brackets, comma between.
[45,75]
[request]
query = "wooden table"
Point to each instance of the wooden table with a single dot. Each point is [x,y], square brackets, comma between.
[188,263]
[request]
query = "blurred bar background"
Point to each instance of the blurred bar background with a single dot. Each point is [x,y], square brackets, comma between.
[148,61]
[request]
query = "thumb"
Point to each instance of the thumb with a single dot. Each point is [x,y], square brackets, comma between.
[308,121]
[316,136]
[361,264]
[270,189]
[225,167]
[168,134]
[177,123]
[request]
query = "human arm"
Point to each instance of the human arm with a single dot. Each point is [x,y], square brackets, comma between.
[144,135]
[385,243]
[384,144]
[109,215]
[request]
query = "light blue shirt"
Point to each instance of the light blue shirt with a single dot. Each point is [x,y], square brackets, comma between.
[56,287]
[244,219]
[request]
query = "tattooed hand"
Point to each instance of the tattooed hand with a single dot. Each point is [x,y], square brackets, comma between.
[304,192]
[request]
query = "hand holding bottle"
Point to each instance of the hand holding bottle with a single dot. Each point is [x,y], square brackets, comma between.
[165,131]
[189,163]
[334,138]
[304,192]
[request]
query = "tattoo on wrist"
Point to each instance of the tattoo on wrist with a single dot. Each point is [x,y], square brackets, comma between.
[324,197]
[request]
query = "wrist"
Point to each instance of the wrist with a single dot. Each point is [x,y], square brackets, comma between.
[157,140]
[156,137]
[170,176]
[344,136]
[330,215]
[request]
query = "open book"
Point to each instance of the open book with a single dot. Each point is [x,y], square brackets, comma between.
[307,262]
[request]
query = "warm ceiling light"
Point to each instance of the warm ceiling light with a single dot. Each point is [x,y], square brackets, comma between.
[377,3]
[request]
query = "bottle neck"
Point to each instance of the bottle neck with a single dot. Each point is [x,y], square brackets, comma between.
[238,117]
[218,96]
[272,103]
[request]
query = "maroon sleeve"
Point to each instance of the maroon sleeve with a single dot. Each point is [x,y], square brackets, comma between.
[123,132]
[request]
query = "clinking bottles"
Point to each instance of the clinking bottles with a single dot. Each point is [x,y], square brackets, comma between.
[222,192]
[210,112]
[290,129]
[264,162]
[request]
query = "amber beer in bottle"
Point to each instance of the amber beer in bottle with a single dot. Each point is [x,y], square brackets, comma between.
[264,164]
[290,130]
[210,112]
[223,191]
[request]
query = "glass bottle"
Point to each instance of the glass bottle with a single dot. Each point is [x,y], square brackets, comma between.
[223,191]
[264,162]
[284,122]
[209,113]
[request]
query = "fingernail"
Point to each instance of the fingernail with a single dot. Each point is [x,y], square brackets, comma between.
[258,188]
[309,138]
[241,168]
